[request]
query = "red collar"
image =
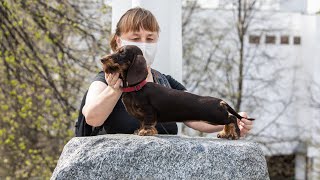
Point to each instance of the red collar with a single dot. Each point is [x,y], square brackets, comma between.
[135,88]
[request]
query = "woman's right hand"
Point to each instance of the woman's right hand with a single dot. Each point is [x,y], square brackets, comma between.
[101,99]
[114,81]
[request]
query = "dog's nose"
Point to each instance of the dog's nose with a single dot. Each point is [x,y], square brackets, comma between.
[103,60]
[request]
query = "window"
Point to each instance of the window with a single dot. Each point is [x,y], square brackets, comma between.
[284,40]
[253,39]
[296,40]
[270,39]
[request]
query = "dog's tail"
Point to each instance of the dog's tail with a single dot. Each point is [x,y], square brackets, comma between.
[233,112]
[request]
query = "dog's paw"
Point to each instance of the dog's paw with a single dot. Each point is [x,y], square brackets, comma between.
[229,132]
[228,136]
[147,132]
[234,136]
[223,135]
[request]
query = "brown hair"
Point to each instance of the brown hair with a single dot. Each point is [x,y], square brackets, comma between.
[133,20]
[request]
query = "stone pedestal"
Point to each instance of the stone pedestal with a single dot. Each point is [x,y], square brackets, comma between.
[159,157]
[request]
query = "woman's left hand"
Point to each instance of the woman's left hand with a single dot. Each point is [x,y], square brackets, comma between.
[244,125]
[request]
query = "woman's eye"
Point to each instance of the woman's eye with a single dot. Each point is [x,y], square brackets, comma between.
[135,39]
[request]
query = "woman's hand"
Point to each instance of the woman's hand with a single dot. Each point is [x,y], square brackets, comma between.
[114,81]
[244,125]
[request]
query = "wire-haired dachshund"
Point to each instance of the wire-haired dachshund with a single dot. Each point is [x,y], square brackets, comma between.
[151,103]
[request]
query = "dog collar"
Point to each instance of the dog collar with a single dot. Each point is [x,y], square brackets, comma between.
[135,88]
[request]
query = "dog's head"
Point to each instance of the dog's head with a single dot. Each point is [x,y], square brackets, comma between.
[129,62]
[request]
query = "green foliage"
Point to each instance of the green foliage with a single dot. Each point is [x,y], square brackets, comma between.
[48,51]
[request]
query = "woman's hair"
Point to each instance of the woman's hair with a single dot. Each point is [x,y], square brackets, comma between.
[133,20]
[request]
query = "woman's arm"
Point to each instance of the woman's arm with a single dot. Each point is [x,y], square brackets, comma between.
[244,125]
[203,126]
[101,99]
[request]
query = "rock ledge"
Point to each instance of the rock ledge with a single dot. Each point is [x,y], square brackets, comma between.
[123,156]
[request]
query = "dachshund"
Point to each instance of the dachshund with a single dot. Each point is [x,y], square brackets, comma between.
[151,103]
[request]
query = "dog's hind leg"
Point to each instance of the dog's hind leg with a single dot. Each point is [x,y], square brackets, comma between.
[230,131]
[147,130]
[147,125]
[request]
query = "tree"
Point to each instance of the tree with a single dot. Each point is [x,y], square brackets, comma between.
[48,49]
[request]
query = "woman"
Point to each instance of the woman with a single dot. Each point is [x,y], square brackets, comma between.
[103,104]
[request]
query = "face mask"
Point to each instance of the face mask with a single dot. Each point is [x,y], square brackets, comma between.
[148,49]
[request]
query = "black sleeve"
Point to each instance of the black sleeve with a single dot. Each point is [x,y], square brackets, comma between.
[175,84]
[100,77]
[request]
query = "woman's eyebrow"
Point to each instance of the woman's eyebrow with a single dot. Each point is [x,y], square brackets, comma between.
[151,34]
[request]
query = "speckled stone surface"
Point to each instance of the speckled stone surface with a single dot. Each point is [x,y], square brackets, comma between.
[159,157]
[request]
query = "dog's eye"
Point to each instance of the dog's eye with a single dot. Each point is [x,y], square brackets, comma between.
[122,54]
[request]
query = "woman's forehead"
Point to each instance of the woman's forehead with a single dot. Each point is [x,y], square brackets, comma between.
[142,32]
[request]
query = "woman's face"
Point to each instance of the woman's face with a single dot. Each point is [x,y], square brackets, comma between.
[141,36]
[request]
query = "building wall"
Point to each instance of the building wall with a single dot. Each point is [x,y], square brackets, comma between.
[299,125]
[299,62]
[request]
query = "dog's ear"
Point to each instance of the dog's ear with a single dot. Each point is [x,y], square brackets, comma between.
[137,71]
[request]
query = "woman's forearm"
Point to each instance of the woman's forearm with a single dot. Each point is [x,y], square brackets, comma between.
[203,126]
[98,109]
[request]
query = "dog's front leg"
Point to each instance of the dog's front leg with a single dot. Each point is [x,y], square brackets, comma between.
[148,123]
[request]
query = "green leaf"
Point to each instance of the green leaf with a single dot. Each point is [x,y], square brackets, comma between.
[48,102]
[4,107]
[22,146]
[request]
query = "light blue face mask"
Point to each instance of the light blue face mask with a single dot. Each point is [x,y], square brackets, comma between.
[149,50]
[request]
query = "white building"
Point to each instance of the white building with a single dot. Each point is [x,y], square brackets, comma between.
[288,31]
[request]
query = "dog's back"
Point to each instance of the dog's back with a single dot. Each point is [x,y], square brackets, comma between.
[174,105]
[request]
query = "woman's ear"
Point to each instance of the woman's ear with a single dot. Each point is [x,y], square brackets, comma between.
[118,40]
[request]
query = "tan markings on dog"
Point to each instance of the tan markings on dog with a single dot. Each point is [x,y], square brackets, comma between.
[230,130]
[137,112]
[147,132]
[224,105]
[109,66]
[147,129]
